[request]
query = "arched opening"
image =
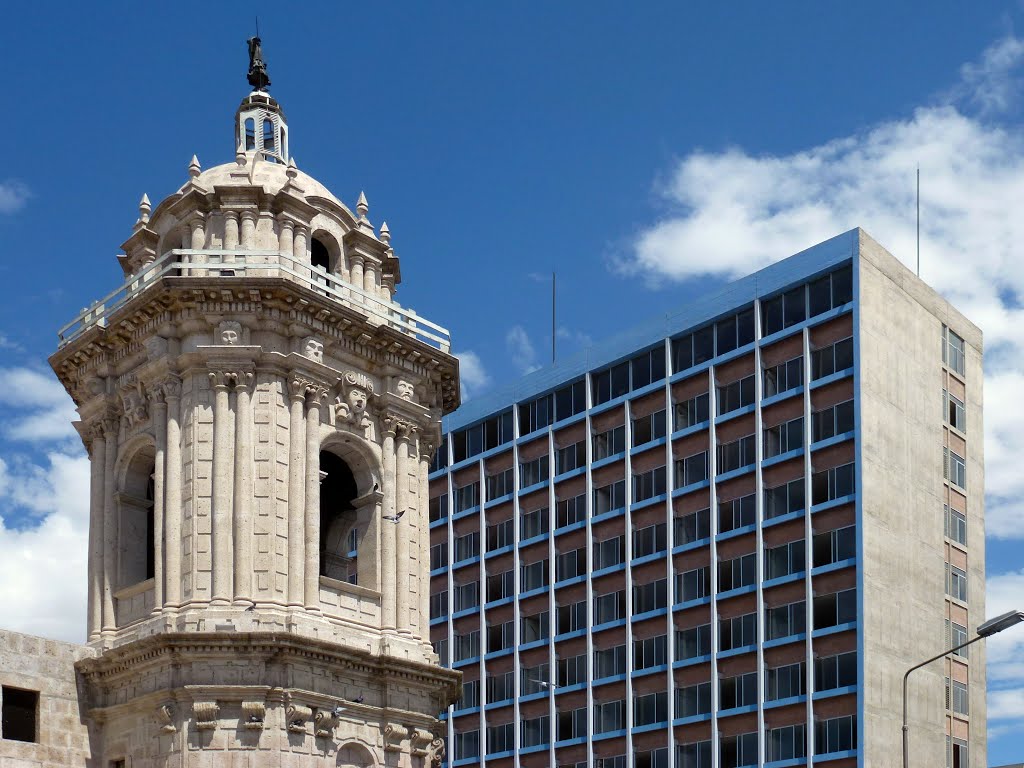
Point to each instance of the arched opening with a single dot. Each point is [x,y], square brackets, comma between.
[250,134]
[339,532]
[268,136]
[135,533]
[353,755]
[319,255]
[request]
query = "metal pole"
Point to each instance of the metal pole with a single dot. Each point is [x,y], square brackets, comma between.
[918,221]
[552,318]
[906,736]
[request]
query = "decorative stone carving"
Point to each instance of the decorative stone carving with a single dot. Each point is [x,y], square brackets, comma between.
[420,742]
[135,407]
[313,348]
[205,714]
[156,347]
[405,389]
[394,735]
[229,333]
[350,406]
[95,386]
[165,714]
[298,716]
[436,759]
[298,387]
[171,387]
[324,723]
[253,715]
[240,379]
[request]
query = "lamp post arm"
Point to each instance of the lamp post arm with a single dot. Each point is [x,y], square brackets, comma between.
[906,743]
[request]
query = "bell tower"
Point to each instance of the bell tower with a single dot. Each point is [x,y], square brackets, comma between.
[260,414]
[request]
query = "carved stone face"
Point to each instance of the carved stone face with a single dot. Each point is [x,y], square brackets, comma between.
[313,349]
[405,390]
[229,336]
[357,399]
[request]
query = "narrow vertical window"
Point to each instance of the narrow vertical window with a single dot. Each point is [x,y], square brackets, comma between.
[268,136]
[250,134]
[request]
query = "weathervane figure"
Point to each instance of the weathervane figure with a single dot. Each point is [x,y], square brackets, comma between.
[258,77]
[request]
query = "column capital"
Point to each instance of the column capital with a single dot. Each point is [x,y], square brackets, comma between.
[220,379]
[298,386]
[170,385]
[241,379]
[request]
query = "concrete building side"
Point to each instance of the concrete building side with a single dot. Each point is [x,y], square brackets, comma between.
[903,549]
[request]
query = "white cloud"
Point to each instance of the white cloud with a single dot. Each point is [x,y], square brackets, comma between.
[38,407]
[1005,592]
[472,374]
[13,195]
[520,349]
[730,213]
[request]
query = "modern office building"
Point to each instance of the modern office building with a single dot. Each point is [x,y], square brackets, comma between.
[721,538]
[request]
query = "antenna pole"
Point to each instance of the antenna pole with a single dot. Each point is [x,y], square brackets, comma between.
[919,221]
[552,318]
[257,25]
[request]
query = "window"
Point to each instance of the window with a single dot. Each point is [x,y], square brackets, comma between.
[693,700]
[648,367]
[470,695]
[786,743]
[693,349]
[500,586]
[829,422]
[652,652]
[692,527]
[572,510]
[956,634]
[650,597]
[467,546]
[500,738]
[783,377]
[783,311]
[955,467]
[610,607]
[839,671]
[956,582]
[784,437]
[500,535]
[467,497]
[649,540]
[693,642]
[467,646]
[738,691]
[569,565]
[438,604]
[610,497]
[533,524]
[467,745]
[958,753]
[734,396]
[536,414]
[441,649]
[734,332]
[838,734]
[609,662]
[737,632]
[648,428]
[785,620]
[831,484]
[571,617]
[692,469]
[785,682]
[831,291]
[738,572]
[650,708]
[737,513]
[652,758]
[609,716]
[500,484]
[534,679]
[572,671]
[533,472]
[738,453]
[609,552]
[467,596]
[739,750]
[690,412]
[250,134]
[693,584]
[268,136]
[836,608]
[571,457]
[570,400]
[834,546]
[571,724]
[609,443]
[535,627]
[499,687]
[534,731]
[953,351]
[439,556]
[136,560]
[648,485]
[956,525]
[956,411]
[831,359]
[482,437]
[533,576]
[694,755]
[20,709]
[438,507]
[784,560]
[440,460]
[610,383]
[784,499]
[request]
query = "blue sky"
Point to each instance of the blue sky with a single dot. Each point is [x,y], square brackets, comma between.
[647,153]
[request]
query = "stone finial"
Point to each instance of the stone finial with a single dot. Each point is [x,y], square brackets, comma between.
[240,156]
[362,207]
[385,233]
[144,208]
[194,169]
[291,171]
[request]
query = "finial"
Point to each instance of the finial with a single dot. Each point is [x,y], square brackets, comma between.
[291,171]
[385,233]
[362,207]
[144,208]
[240,156]
[258,77]
[194,169]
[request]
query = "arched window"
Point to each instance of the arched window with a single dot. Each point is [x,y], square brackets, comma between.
[135,534]
[319,255]
[284,142]
[339,533]
[250,134]
[268,135]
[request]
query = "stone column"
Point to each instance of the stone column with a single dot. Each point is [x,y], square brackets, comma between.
[356,275]
[198,229]
[158,411]
[317,396]
[300,243]
[172,498]
[97,496]
[248,229]
[387,532]
[425,450]
[403,537]
[220,529]
[296,486]
[110,429]
[286,235]
[370,278]
[230,230]
[243,496]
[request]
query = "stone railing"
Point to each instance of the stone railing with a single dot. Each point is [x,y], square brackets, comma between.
[208,264]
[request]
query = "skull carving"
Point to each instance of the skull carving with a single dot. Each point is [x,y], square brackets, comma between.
[229,332]
[313,349]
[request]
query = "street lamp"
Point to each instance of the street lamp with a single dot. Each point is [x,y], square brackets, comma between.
[990,627]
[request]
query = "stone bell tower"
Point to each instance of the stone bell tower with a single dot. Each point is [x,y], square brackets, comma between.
[260,414]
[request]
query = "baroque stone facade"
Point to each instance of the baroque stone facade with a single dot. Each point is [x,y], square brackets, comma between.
[260,415]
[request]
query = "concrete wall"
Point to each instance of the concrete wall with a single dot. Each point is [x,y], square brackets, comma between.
[46,666]
[903,550]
